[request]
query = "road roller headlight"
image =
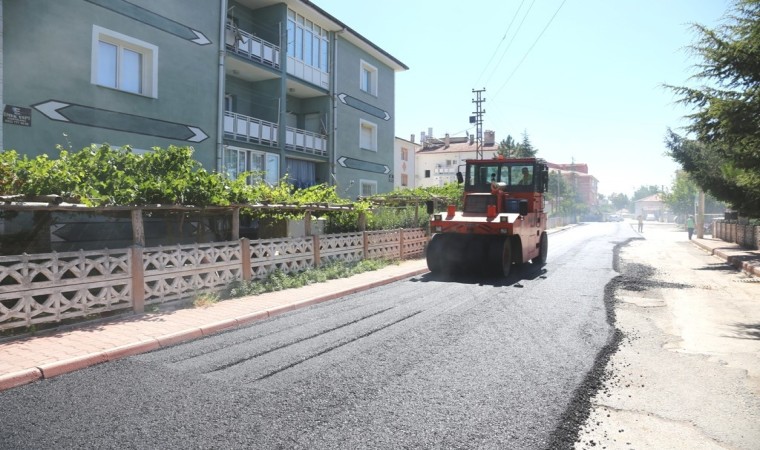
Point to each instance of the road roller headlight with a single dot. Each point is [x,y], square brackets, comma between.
[438,229]
[504,219]
[437,217]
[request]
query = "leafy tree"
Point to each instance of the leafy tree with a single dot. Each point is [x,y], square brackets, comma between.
[723,156]
[620,201]
[683,194]
[645,191]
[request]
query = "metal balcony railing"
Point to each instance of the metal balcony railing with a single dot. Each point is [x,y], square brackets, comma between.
[251,47]
[243,128]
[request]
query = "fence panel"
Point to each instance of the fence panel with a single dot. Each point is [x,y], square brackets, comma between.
[341,247]
[414,241]
[286,255]
[172,273]
[383,244]
[50,287]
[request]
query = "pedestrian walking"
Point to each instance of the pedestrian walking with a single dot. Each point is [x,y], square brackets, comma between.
[641,223]
[690,226]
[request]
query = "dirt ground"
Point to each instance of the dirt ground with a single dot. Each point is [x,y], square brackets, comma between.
[687,374]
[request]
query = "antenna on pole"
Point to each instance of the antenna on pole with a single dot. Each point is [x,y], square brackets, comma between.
[477,119]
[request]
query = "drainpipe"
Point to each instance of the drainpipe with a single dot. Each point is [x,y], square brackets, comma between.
[334,99]
[281,129]
[220,94]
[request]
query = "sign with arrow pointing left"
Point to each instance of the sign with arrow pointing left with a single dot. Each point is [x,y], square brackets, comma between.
[358,164]
[113,120]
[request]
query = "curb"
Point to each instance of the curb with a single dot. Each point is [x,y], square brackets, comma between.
[53,369]
[733,260]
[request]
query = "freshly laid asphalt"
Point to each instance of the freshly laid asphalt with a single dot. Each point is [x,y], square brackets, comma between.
[27,359]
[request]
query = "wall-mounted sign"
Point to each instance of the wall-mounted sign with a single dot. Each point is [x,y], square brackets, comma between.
[363,106]
[366,166]
[16,115]
[114,120]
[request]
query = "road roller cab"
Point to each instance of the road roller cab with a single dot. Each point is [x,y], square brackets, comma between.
[503,220]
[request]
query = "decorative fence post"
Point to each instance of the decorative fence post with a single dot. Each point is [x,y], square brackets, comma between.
[245,258]
[317,257]
[138,280]
[401,243]
[365,237]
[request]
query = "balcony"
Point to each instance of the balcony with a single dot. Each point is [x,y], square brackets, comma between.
[256,131]
[251,47]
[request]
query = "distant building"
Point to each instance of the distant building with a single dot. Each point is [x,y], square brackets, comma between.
[404,161]
[576,175]
[652,206]
[439,159]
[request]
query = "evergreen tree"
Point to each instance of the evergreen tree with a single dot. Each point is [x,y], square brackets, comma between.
[722,154]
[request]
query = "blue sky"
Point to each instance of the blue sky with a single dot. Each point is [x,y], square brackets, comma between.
[588,90]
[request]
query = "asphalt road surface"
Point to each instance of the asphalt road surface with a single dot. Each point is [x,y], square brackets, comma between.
[469,362]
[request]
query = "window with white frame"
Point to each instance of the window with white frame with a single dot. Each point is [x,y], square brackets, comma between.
[368,78]
[367,188]
[367,135]
[264,166]
[124,63]
[307,41]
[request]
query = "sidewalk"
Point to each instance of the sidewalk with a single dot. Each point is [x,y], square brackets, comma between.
[47,355]
[741,258]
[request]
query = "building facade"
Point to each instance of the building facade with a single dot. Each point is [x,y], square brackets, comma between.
[438,160]
[271,87]
[404,163]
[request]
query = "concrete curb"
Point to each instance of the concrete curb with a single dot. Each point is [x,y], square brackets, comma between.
[20,378]
[61,367]
[731,259]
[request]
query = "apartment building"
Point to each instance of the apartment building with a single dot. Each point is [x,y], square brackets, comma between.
[438,160]
[274,87]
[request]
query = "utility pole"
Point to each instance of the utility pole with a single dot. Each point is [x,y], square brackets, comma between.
[477,119]
[701,215]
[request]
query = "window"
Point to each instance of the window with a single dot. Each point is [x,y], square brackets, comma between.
[367,188]
[368,78]
[367,135]
[404,154]
[307,41]
[124,63]
[404,179]
[427,173]
[264,165]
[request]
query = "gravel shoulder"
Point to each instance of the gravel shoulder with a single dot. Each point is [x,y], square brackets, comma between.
[687,372]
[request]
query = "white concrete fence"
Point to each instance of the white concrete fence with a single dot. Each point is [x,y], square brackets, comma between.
[50,287]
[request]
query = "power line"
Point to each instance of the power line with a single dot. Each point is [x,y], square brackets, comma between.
[531,48]
[509,27]
[504,53]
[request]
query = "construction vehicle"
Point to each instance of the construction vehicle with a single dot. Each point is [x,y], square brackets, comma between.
[502,222]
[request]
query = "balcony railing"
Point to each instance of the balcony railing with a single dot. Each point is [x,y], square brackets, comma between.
[251,47]
[305,141]
[250,129]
